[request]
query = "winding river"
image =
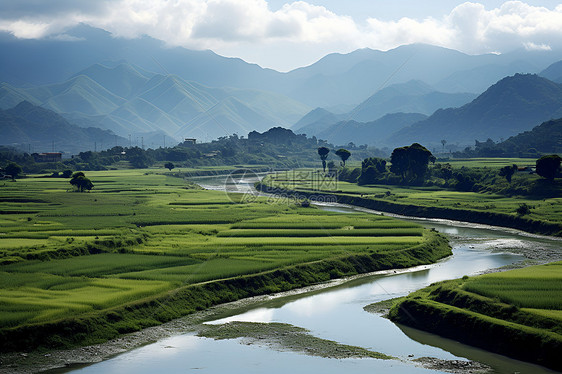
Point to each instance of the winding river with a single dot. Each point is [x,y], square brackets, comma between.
[336,313]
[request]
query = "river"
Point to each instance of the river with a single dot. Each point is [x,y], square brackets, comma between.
[336,313]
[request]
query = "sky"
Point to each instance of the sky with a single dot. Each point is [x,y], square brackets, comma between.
[285,35]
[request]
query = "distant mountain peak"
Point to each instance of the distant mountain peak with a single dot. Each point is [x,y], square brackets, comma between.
[512,105]
[23,106]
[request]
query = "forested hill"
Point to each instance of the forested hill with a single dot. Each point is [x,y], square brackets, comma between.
[545,138]
[39,129]
[512,105]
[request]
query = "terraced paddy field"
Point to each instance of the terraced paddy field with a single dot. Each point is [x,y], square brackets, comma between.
[142,248]
[517,313]
[433,202]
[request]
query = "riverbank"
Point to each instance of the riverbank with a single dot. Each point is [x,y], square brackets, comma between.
[516,313]
[143,248]
[407,209]
[104,325]
[27,362]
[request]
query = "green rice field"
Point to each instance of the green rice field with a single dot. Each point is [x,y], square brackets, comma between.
[517,313]
[536,287]
[141,234]
[310,180]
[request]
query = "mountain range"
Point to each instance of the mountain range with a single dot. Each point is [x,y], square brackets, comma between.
[411,97]
[37,129]
[334,80]
[512,105]
[544,138]
[129,100]
[143,88]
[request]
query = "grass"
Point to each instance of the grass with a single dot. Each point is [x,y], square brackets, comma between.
[490,162]
[139,235]
[36,297]
[547,210]
[522,310]
[533,287]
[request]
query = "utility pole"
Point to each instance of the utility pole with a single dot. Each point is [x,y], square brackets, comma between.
[142,142]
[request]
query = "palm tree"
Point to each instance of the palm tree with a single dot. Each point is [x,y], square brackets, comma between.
[323,153]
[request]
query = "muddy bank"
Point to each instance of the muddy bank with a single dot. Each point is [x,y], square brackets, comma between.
[108,324]
[453,366]
[42,360]
[281,336]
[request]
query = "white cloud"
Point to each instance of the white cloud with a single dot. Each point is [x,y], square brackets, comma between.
[251,26]
[530,46]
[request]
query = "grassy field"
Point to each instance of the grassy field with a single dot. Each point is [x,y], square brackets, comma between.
[310,180]
[517,312]
[142,234]
[494,163]
[532,289]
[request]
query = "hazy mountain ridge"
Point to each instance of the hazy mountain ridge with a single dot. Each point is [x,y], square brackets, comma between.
[171,89]
[512,105]
[546,137]
[371,133]
[410,97]
[29,126]
[397,106]
[154,102]
[333,80]
[553,72]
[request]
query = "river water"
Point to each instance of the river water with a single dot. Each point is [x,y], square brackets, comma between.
[336,313]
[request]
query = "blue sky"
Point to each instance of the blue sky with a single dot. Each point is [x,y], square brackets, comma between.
[288,34]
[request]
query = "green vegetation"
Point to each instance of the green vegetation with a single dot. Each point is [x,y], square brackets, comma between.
[549,166]
[528,202]
[516,313]
[323,153]
[275,148]
[411,163]
[143,247]
[542,139]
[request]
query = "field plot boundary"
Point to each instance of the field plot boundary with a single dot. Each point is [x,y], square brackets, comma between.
[457,214]
[107,324]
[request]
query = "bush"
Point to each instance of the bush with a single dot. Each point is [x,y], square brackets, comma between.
[523,209]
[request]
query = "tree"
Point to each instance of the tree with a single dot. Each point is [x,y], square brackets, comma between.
[343,154]
[13,170]
[66,173]
[323,153]
[332,168]
[507,172]
[443,142]
[548,166]
[411,162]
[80,182]
[371,169]
[169,166]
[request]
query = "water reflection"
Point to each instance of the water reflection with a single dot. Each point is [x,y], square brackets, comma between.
[336,313]
[418,276]
[263,315]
